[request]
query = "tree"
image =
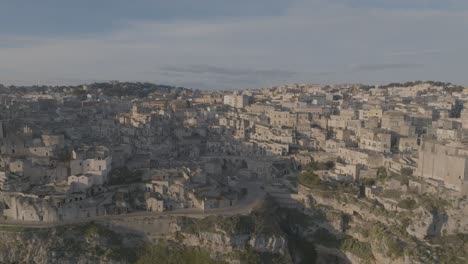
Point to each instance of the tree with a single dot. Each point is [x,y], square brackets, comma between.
[406,172]
[382,173]
[309,179]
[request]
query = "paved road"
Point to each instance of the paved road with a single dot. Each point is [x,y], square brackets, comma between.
[255,196]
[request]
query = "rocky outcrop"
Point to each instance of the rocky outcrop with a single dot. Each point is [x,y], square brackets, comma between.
[109,242]
[431,223]
[217,242]
[269,244]
[23,248]
[21,207]
[224,243]
[71,244]
[323,234]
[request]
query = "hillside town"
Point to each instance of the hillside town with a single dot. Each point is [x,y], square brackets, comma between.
[386,153]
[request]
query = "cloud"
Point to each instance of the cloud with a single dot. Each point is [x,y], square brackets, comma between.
[50,17]
[209,69]
[414,52]
[367,68]
[225,77]
[384,66]
[305,43]
[407,4]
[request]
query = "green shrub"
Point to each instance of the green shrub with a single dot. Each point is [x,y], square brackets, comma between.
[163,253]
[313,166]
[382,173]
[90,230]
[14,228]
[309,179]
[407,203]
[360,249]
[406,172]
[391,245]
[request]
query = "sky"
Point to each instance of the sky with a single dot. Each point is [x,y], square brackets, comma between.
[225,44]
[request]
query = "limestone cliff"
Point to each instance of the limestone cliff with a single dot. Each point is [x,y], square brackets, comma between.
[270,234]
[88,243]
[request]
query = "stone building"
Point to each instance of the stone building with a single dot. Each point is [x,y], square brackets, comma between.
[397,122]
[236,101]
[365,158]
[366,114]
[96,161]
[407,144]
[375,140]
[445,164]
[282,118]
[154,203]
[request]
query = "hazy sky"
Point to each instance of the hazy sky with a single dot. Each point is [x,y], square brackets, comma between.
[228,44]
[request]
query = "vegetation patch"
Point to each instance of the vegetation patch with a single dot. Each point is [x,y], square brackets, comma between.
[250,256]
[309,179]
[433,203]
[164,253]
[389,243]
[381,174]
[360,249]
[408,204]
[15,229]
[392,194]
[314,165]
[260,221]
[123,175]
[111,244]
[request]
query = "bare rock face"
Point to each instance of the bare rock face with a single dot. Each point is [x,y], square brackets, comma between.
[217,242]
[16,247]
[382,259]
[269,244]
[431,223]
[27,208]
[71,244]
[225,243]
[34,247]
